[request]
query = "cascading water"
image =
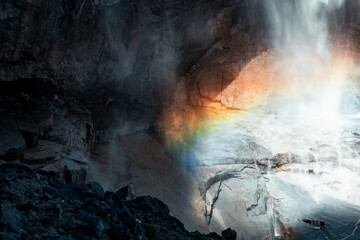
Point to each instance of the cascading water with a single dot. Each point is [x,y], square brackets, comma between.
[299,29]
[316,134]
[306,150]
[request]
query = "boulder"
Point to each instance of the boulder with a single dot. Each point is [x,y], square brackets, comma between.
[95,225]
[11,219]
[125,193]
[95,189]
[229,234]
[73,192]
[46,208]
[44,151]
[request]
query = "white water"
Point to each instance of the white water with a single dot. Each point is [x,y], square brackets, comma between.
[299,29]
[319,146]
[321,172]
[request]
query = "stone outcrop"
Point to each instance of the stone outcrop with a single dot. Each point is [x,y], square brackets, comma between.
[38,205]
[133,48]
[81,85]
[231,76]
[43,130]
[234,192]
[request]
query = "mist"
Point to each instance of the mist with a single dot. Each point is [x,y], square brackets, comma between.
[299,32]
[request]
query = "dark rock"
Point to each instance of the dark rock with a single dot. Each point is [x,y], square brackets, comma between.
[6,236]
[229,234]
[67,175]
[11,219]
[119,233]
[9,194]
[65,238]
[73,192]
[38,210]
[17,165]
[56,183]
[92,206]
[46,221]
[213,235]
[25,206]
[31,139]
[45,151]
[140,232]
[83,237]
[95,226]
[12,143]
[125,193]
[95,189]
[2,178]
[149,204]
[46,173]
[79,176]
[70,225]
[111,198]
[91,47]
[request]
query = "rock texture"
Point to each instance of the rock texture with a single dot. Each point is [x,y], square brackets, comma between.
[38,205]
[74,74]
[83,85]
[107,50]
[135,48]
[235,196]
[229,66]
[42,129]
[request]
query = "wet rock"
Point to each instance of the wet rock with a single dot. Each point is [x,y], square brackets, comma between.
[234,191]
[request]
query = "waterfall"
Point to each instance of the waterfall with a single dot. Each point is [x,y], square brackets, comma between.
[299,31]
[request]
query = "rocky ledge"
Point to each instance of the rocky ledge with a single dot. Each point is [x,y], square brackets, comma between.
[38,205]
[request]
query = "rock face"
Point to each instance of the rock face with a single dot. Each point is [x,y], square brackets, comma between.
[43,130]
[83,85]
[235,196]
[231,76]
[136,48]
[141,161]
[75,74]
[107,50]
[37,206]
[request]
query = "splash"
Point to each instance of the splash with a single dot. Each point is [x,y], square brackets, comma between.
[307,64]
[290,127]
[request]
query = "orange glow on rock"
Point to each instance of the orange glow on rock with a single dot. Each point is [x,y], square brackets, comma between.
[251,86]
[266,82]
